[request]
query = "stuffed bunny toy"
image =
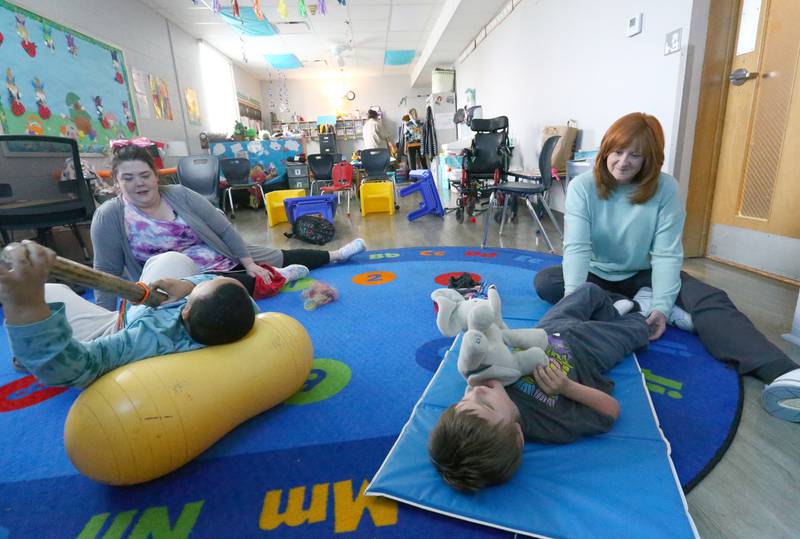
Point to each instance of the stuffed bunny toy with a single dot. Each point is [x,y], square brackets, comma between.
[485,353]
[452,309]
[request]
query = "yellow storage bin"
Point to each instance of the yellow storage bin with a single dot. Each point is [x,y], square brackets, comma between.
[273,204]
[377,197]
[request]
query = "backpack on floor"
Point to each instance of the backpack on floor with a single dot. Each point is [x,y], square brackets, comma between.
[312,229]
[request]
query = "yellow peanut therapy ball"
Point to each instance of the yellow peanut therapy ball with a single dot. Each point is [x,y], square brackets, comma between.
[146,419]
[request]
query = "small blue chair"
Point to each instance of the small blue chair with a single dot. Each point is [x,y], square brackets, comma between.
[424,183]
[324,205]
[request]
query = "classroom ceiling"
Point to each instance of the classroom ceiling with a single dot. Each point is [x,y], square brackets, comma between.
[353,37]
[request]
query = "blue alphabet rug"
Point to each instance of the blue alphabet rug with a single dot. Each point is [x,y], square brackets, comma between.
[300,469]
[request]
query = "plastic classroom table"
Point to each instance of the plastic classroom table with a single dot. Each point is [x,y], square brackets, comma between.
[106,173]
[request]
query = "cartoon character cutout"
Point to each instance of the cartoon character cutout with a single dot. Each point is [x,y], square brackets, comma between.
[109,120]
[71,46]
[70,131]
[129,117]
[14,95]
[47,35]
[41,98]
[117,67]
[98,107]
[22,32]
[34,126]
[79,116]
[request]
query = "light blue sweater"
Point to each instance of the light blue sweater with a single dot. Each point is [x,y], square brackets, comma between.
[614,238]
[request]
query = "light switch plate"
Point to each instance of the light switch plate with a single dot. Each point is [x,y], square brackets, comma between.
[672,43]
[634,25]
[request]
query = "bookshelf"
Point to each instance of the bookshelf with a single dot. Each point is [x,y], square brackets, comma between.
[345,129]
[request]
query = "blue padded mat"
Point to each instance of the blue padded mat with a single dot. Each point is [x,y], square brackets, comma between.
[619,484]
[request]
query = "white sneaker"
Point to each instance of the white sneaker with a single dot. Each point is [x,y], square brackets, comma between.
[293,272]
[781,398]
[678,317]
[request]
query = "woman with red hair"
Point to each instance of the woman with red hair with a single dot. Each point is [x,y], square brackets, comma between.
[623,226]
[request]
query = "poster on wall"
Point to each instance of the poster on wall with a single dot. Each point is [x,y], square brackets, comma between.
[141,87]
[192,106]
[160,96]
[143,106]
[60,82]
[140,82]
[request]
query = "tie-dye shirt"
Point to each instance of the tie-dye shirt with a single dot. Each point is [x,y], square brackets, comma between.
[149,236]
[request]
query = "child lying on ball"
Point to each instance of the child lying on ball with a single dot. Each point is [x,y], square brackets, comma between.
[65,340]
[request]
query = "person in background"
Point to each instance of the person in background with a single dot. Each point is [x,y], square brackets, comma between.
[374,133]
[623,227]
[147,219]
[412,140]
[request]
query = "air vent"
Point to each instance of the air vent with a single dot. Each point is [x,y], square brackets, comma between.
[315,62]
[292,27]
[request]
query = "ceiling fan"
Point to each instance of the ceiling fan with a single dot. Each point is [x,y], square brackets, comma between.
[341,51]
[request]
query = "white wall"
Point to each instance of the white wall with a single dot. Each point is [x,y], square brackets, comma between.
[311,98]
[144,39]
[552,60]
[246,84]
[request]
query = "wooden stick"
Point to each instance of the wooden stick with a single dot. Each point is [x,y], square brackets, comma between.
[72,272]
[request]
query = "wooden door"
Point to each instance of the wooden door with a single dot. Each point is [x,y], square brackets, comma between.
[755,220]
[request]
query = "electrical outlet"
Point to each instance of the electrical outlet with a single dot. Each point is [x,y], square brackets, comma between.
[634,25]
[672,43]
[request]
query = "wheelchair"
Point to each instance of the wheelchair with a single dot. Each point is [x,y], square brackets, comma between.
[483,165]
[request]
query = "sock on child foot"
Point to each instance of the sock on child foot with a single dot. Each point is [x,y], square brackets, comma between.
[623,306]
[293,272]
[678,317]
[681,319]
[644,299]
[348,251]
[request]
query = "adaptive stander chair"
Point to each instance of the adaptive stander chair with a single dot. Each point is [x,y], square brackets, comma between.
[483,164]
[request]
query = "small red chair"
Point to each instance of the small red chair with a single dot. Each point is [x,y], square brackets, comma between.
[342,176]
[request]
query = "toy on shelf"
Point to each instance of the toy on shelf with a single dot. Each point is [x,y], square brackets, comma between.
[318,294]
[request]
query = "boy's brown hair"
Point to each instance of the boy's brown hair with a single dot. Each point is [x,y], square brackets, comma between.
[470,453]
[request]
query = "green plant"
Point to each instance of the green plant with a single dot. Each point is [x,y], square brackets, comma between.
[239,130]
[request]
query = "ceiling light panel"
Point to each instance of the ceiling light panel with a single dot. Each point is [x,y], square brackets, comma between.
[370,13]
[292,27]
[409,17]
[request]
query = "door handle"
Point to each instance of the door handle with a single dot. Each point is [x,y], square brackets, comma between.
[740,76]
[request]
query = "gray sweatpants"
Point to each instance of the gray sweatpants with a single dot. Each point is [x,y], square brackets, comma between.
[724,330]
[593,329]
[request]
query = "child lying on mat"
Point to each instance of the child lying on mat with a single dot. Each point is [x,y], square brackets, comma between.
[478,441]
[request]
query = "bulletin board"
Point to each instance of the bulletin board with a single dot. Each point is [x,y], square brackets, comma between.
[59,82]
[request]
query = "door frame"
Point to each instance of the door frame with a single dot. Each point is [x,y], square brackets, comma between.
[723,19]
